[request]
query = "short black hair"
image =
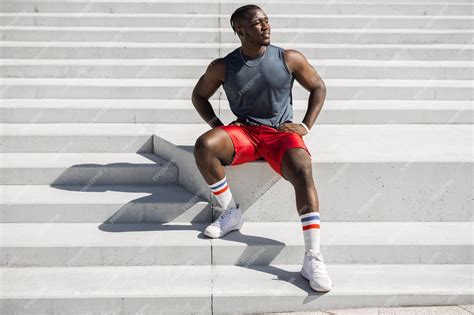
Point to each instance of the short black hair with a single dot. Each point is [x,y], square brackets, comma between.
[239,14]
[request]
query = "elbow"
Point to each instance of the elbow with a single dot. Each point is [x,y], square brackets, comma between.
[195,98]
[320,86]
[319,89]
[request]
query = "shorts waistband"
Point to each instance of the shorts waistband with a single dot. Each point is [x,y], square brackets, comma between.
[251,123]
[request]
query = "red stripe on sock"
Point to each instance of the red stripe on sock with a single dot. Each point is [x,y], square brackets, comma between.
[310,226]
[222,190]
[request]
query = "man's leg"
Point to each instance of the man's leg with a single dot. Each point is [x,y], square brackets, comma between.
[212,150]
[296,167]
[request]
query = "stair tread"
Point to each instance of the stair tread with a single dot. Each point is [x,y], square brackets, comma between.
[194,29]
[205,62]
[151,281]
[347,279]
[191,82]
[66,160]
[108,282]
[213,15]
[327,143]
[137,104]
[252,234]
[96,194]
[224,45]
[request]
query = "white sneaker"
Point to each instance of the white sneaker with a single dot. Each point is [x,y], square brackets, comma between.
[230,220]
[315,271]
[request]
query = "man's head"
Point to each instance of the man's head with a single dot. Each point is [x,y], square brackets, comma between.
[251,24]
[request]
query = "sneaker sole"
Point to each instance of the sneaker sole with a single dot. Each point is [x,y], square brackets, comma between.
[238,227]
[309,282]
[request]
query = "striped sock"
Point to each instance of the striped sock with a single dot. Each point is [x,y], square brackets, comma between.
[311,231]
[222,193]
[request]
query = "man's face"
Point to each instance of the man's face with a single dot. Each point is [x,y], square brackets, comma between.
[255,29]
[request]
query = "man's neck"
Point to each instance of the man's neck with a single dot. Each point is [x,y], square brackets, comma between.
[253,52]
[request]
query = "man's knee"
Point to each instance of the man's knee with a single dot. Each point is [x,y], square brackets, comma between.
[204,144]
[297,166]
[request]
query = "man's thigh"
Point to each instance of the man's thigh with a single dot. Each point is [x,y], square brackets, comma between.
[274,145]
[245,144]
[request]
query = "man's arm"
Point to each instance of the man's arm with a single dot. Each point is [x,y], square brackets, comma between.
[205,88]
[307,76]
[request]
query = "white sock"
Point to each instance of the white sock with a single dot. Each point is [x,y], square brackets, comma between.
[222,193]
[311,231]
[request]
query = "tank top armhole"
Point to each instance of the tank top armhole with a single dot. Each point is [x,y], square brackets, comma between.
[284,63]
[225,71]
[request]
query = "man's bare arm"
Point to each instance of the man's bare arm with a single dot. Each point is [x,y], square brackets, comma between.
[205,88]
[307,76]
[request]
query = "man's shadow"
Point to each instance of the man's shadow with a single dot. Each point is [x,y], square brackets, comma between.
[138,214]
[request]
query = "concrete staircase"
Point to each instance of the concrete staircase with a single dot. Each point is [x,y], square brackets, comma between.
[102,207]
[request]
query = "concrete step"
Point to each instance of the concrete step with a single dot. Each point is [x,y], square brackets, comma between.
[219,7]
[95,244]
[362,173]
[337,89]
[211,20]
[206,35]
[73,138]
[182,111]
[279,288]
[194,68]
[227,289]
[380,112]
[125,50]
[144,290]
[86,169]
[257,243]
[404,175]
[101,203]
[264,243]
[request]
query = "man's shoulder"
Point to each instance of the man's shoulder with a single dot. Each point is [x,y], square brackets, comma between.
[294,58]
[217,68]
[292,53]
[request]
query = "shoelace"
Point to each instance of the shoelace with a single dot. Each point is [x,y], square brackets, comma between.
[223,215]
[317,266]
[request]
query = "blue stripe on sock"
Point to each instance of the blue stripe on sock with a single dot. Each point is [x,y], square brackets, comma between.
[220,185]
[313,217]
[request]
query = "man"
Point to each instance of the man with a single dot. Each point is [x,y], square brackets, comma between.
[258,78]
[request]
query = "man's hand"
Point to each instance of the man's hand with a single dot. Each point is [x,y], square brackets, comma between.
[236,123]
[292,127]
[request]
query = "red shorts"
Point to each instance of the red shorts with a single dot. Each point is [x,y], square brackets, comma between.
[255,142]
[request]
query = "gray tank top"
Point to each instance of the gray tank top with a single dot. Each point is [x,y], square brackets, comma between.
[259,92]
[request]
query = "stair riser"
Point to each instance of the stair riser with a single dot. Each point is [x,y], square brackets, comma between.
[184,92]
[228,289]
[152,36]
[378,116]
[131,212]
[222,304]
[106,256]
[188,116]
[342,254]
[194,71]
[179,304]
[214,8]
[319,22]
[75,143]
[353,191]
[83,175]
[246,256]
[278,303]
[365,192]
[366,53]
